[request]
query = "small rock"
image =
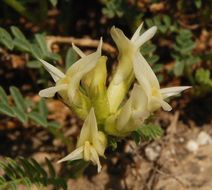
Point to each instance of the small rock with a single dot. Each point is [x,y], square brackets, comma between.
[130,147]
[151,153]
[204,138]
[181,139]
[57,142]
[192,146]
[158,148]
[114,160]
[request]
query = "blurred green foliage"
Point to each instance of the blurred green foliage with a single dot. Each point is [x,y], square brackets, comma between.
[28,173]
[37,47]
[18,42]
[164,23]
[147,132]
[113,8]
[25,8]
[27,111]
[183,53]
[204,81]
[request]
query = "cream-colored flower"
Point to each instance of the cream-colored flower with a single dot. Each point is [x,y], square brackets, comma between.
[132,64]
[91,143]
[94,84]
[124,75]
[131,115]
[150,85]
[68,84]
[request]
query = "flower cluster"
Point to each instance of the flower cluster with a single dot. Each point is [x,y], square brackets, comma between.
[107,109]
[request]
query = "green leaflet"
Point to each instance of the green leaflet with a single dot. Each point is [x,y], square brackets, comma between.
[28,172]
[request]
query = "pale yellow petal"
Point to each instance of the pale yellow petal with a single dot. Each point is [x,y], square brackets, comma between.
[51,91]
[75,155]
[99,48]
[95,159]
[172,91]
[124,115]
[139,104]
[80,68]
[137,33]
[141,77]
[86,153]
[53,71]
[122,42]
[87,61]
[142,68]
[136,111]
[100,143]
[166,106]
[89,129]
[78,51]
[93,126]
[146,36]
[154,103]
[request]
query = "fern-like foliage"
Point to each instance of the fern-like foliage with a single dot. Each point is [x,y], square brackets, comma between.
[26,111]
[204,81]
[164,23]
[147,132]
[114,8]
[16,41]
[203,76]
[28,173]
[183,53]
[24,9]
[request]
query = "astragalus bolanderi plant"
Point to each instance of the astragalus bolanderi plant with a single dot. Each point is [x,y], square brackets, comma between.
[109,110]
